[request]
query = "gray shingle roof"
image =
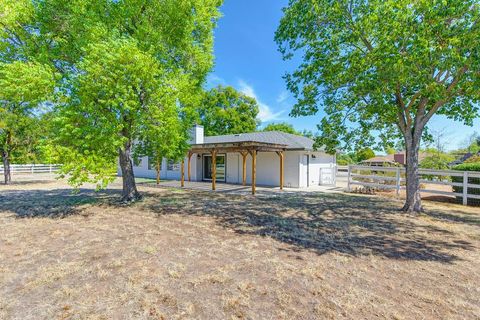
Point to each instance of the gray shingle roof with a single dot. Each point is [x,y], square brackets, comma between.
[293,142]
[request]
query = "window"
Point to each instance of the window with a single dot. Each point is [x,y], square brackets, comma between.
[152,164]
[172,166]
[137,162]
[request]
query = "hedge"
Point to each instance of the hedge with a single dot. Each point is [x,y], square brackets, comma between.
[475,166]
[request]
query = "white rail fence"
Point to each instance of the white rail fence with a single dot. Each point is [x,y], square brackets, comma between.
[394,179]
[342,171]
[32,168]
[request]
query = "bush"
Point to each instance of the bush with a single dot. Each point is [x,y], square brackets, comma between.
[437,161]
[475,166]
[364,154]
[473,159]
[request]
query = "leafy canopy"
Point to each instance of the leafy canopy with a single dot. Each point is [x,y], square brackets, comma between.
[364,154]
[438,160]
[224,110]
[121,94]
[281,126]
[132,70]
[23,87]
[382,67]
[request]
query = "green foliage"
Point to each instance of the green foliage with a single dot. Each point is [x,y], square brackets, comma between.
[121,95]
[382,67]
[224,110]
[390,150]
[344,159]
[283,127]
[131,72]
[23,87]
[163,138]
[474,147]
[15,16]
[473,166]
[437,160]
[364,154]
[473,159]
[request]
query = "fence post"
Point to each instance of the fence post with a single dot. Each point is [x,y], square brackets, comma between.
[334,173]
[50,168]
[397,182]
[349,177]
[33,168]
[465,188]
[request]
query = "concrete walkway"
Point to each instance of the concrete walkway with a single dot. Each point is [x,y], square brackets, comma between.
[239,189]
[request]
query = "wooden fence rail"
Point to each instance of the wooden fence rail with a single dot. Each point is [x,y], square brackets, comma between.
[32,168]
[394,178]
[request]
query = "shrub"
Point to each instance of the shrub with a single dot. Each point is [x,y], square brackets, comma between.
[437,161]
[475,166]
[473,159]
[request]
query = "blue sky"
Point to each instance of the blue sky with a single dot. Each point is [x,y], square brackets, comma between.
[247,59]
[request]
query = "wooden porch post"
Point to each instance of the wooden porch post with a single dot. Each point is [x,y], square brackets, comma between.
[254,170]
[281,155]
[189,161]
[214,169]
[182,173]
[244,172]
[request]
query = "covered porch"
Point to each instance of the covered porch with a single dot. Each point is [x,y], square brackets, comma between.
[245,149]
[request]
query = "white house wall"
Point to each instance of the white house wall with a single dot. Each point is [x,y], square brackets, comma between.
[233,168]
[268,169]
[321,169]
[142,171]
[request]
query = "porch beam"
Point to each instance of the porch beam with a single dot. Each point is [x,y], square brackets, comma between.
[189,165]
[281,155]
[244,166]
[254,170]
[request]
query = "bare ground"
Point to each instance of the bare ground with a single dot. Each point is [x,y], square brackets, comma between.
[198,255]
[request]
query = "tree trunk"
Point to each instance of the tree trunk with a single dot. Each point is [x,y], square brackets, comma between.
[129,193]
[158,168]
[413,202]
[6,167]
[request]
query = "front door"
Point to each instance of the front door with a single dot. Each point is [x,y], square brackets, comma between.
[207,167]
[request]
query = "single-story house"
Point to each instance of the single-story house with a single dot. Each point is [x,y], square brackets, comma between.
[463,158]
[391,160]
[268,157]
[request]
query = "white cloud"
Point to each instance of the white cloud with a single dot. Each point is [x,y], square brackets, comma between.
[265,112]
[283,96]
[213,80]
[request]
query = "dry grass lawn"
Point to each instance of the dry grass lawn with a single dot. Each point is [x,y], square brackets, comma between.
[182,254]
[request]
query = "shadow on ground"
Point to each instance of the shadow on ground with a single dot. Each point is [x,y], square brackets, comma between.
[57,203]
[318,222]
[323,223]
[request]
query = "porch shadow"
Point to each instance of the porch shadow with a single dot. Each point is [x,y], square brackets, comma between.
[317,222]
[321,223]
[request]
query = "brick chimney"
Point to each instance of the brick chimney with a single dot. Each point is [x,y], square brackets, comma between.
[399,158]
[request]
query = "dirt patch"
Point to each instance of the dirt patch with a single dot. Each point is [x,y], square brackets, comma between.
[199,255]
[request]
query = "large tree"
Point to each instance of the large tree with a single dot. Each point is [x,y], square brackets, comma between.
[283,127]
[119,60]
[384,68]
[224,110]
[162,138]
[23,87]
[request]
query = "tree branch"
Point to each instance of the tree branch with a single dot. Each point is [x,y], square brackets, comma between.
[449,89]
